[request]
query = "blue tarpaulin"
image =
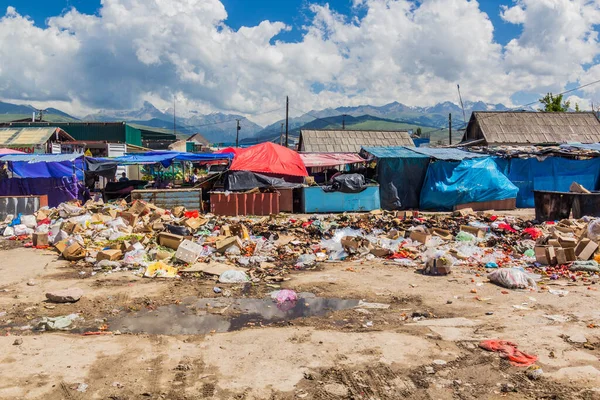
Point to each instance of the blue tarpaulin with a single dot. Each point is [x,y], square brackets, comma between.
[166,158]
[58,190]
[553,174]
[400,173]
[449,184]
[48,169]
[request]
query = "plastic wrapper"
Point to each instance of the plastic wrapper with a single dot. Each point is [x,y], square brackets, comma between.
[593,231]
[9,231]
[512,278]
[135,257]
[281,296]
[465,237]
[233,276]
[22,230]
[306,260]
[66,210]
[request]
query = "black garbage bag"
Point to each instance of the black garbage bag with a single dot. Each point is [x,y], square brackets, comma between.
[349,183]
[178,230]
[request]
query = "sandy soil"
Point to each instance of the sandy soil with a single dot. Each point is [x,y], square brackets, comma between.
[347,354]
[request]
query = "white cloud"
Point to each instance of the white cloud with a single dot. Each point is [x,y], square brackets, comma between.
[412,52]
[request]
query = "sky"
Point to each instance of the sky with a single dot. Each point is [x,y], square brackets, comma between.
[245,56]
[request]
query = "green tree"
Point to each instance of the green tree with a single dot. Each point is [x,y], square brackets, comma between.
[577,109]
[554,103]
[419,132]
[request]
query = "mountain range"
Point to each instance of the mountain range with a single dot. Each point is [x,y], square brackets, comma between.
[221,128]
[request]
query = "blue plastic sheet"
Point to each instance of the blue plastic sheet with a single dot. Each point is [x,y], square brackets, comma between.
[166,158]
[47,169]
[58,190]
[553,174]
[448,184]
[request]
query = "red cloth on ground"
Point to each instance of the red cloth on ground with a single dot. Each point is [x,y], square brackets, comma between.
[509,351]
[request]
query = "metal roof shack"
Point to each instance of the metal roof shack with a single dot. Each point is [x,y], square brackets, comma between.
[113,132]
[32,140]
[349,141]
[488,128]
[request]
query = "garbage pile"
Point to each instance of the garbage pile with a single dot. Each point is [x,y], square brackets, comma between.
[155,242]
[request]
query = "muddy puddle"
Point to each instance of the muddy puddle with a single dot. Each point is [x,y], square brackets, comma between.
[203,316]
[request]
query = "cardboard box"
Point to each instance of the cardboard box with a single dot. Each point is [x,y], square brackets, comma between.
[188,251]
[570,254]
[74,252]
[41,215]
[561,257]
[585,249]
[419,236]
[68,227]
[178,211]
[351,244]
[443,233]
[194,223]
[567,242]
[473,230]
[395,234]
[378,251]
[223,244]
[169,240]
[163,255]
[139,208]
[551,255]
[40,239]
[541,255]
[463,212]
[554,242]
[130,218]
[110,255]
[113,213]
[241,231]
[61,246]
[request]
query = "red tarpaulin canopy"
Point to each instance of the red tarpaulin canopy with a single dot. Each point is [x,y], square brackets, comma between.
[330,159]
[269,158]
[235,150]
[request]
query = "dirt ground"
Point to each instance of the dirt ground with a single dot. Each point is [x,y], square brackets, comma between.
[424,346]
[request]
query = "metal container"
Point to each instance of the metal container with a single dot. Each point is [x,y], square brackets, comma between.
[234,204]
[586,204]
[552,206]
[286,200]
[191,198]
[314,199]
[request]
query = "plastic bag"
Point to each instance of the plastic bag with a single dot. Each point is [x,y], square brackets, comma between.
[178,230]
[281,296]
[9,231]
[135,257]
[22,230]
[593,231]
[589,266]
[306,260]
[29,221]
[233,276]
[16,221]
[66,210]
[512,278]
[465,237]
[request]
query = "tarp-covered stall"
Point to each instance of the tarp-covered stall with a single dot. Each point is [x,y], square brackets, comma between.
[548,174]
[255,165]
[59,176]
[478,180]
[400,173]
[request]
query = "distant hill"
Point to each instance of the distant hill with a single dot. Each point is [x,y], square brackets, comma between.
[221,128]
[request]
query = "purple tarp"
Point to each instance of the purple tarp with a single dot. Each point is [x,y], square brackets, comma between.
[58,190]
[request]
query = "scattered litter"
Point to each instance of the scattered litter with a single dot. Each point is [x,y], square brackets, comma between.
[233,276]
[509,351]
[56,323]
[512,278]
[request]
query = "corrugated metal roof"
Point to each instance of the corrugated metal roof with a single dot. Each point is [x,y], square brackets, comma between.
[446,154]
[420,152]
[392,152]
[537,127]
[35,158]
[350,141]
[25,136]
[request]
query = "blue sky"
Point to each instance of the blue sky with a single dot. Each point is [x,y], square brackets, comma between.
[414,53]
[294,13]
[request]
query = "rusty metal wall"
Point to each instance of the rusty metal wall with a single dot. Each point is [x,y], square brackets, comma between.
[191,199]
[244,203]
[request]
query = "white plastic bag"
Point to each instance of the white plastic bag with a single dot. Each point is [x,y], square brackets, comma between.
[22,230]
[512,278]
[233,276]
[29,221]
[9,231]
[593,231]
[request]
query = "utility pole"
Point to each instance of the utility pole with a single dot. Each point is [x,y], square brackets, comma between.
[343,121]
[174,118]
[237,133]
[450,127]
[281,135]
[287,120]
